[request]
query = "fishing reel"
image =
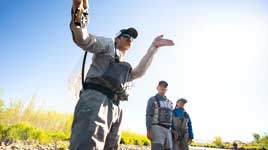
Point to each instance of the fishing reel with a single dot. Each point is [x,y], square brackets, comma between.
[80,17]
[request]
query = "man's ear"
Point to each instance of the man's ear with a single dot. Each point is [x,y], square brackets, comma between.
[118,38]
[115,40]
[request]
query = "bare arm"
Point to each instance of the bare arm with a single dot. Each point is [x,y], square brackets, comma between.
[146,60]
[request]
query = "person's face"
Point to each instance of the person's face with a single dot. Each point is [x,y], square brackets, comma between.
[180,104]
[161,89]
[124,42]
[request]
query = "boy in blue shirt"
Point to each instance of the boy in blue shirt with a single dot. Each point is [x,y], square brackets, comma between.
[183,125]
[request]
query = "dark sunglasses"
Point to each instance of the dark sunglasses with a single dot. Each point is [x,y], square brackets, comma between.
[127,36]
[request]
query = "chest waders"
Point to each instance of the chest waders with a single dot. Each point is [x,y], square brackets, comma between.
[181,125]
[164,115]
[115,77]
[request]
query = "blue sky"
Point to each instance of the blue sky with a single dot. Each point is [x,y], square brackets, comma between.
[219,61]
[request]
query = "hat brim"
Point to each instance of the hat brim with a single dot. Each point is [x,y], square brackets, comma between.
[132,32]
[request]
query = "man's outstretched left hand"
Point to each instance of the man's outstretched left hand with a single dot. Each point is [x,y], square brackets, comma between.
[159,41]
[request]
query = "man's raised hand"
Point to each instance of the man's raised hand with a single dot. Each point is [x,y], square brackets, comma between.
[159,41]
[80,13]
[80,4]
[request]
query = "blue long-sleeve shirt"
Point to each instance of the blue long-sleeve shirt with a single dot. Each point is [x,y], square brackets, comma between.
[179,112]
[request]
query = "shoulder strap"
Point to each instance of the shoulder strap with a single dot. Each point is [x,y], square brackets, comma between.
[157,100]
[116,57]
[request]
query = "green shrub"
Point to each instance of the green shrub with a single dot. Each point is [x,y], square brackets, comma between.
[24,132]
[129,138]
[34,115]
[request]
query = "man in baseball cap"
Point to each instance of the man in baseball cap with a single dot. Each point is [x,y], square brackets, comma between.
[98,114]
[159,119]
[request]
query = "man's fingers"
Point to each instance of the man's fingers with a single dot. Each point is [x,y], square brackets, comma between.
[167,42]
[159,37]
[80,4]
[171,43]
[176,135]
[149,135]
[159,42]
[77,4]
[85,4]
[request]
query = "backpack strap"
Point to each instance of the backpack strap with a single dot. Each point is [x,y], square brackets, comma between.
[157,100]
[116,57]
[158,103]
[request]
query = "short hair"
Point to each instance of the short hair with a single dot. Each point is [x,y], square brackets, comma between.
[182,100]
